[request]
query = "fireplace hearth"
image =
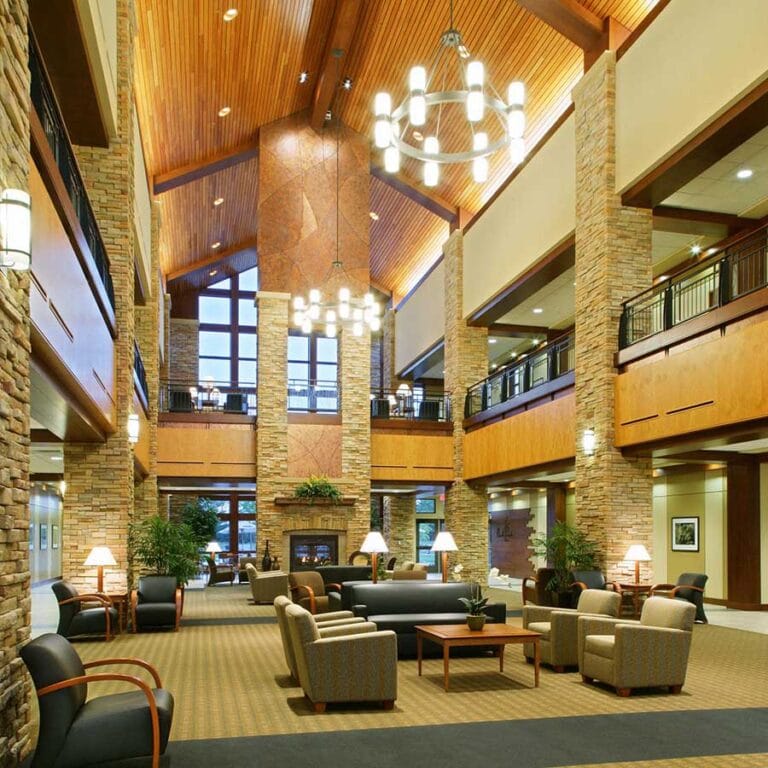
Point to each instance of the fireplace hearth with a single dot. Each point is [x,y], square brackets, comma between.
[309,551]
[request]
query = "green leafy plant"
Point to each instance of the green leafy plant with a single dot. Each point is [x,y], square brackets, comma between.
[201,518]
[474,604]
[318,487]
[566,549]
[165,548]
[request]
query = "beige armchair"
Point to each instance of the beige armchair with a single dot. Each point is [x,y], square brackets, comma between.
[357,667]
[328,625]
[638,654]
[559,626]
[309,591]
[266,586]
[409,575]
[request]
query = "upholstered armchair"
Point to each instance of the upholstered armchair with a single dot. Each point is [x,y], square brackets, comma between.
[309,591]
[368,661]
[91,614]
[156,603]
[218,574]
[535,587]
[328,624]
[266,586]
[103,730]
[592,580]
[689,587]
[559,626]
[638,654]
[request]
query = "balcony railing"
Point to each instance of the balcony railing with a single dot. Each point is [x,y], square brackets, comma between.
[725,276]
[48,112]
[209,397]
[544,365]
[140,373]
[313,396]
[407,404]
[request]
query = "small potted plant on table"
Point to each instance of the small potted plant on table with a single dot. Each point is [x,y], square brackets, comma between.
[474,605]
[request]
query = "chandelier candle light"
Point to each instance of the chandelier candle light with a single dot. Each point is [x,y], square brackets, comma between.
[479,98]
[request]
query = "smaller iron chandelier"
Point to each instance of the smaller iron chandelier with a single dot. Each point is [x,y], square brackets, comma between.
[472,90]
[357,313]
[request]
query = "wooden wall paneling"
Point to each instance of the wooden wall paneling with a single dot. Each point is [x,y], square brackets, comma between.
[743,526]
[208,450]
[419,458]
[510,536]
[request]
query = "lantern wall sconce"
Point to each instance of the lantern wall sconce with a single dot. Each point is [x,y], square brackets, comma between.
[15,229]
[588,442]
[133,428]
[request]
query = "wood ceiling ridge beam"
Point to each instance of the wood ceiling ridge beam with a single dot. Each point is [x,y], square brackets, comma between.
[163,182]
[570,19]
[210,261]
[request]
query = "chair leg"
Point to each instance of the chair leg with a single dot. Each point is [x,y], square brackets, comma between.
[675,688]
[624,692]
[388,705]
[319,707]
[586,679]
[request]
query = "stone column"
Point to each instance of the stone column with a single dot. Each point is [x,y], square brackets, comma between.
[466,361]
[388,371]
[183,350]
[15,687]
[614,494]
[400,523]
[99,476]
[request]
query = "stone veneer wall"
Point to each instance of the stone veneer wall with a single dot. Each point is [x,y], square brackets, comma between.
[614,494]
[400,527]
[466,361]
[15,689]
[100,476]
[184,349]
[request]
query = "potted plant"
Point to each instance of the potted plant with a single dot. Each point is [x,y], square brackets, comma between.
[165,548]
[474,605]
[318,487]
[566,549]
[201,517]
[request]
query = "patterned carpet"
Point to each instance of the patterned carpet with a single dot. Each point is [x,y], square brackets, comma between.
[229,680]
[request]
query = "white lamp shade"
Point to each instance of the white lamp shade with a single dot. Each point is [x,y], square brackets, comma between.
[213,546]
[344,295]
[382,133]
[638,553]
[475,74]
[475,106]
[382,104]
[100,556]
[417,79]
[374,542]
[444,543]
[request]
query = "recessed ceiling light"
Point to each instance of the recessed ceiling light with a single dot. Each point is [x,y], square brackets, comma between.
[217,244]
[374,215]
[744,173]
[303,76]
[696,249]
[492,341]
[662,278]
[346,83]
[231,14]
[418,135]
[537,310]
[57,458]
[711,251]
[213,272]
[224,111]
[513,354]
[218,201]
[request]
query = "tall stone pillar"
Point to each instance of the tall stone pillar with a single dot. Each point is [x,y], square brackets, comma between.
[14,400]
[99,476]
[614,494]
[400,527]
[466,361]
[388,370]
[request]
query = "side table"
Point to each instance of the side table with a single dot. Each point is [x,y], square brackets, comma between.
[637,590]
[120,601]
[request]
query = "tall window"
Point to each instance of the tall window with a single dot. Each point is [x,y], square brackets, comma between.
[236,529]
[313,374]
[227,336]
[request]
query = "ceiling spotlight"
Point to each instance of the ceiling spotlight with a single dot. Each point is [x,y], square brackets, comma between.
[696,249]
[711,251]
[492,341]
[303,76]
[218,201]
[346,83]
[418,135]
[216,245]
[213,272]
[328,115]
[494,366]
[56,457]
[744,173]
[231,14]
[224,111]
[513,354]
[537,310]
[374,215]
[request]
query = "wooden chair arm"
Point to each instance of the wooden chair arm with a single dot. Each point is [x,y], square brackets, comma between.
[580,584]
[310,595]
[687,586]
[178,607]
[663,587]
[94,598]
[112,676]
[134,603]
[615,586]
[532,579]
[128,660]
[332,584]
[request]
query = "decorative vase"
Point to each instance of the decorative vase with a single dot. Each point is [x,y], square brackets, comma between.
[266,561]
[476,623]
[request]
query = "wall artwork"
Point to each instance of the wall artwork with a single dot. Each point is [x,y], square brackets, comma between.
[685,534]
[43,537]
[54,537]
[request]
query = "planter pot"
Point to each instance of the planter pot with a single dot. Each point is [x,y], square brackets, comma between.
[476,623]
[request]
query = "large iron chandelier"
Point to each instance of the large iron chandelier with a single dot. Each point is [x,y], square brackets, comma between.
[349,311]
[461,80]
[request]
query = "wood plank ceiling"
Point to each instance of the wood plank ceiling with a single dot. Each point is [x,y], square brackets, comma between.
[190,63]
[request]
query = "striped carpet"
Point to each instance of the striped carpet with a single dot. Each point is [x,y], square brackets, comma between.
[227,673]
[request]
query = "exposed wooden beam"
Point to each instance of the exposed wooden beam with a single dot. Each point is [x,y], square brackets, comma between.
[570,19]
[716,220]
[342,32]
[179,176]
[211,261]
[512,330]
[419,194]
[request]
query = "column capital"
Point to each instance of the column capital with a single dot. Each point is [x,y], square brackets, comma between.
[273,296]
[606,60]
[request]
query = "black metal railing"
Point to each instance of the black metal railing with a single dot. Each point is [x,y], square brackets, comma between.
[178,396]
[404,403]
[543,365]
[726,275]
[47,109]
[313,396]
[139,372]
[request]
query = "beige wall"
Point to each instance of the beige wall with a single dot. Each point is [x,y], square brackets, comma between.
[530,217]
[698,493]
[142,213]
[420,321]
[719,46]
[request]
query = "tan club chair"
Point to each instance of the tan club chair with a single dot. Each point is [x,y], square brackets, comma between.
[309,591]
[648,653]
[358,667]
[559,626]
[328,624]
[409,575]
[266,586]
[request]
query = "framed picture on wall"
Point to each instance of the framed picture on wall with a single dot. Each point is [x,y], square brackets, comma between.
[43,536]
[685,534]
[54,537]
[31,537]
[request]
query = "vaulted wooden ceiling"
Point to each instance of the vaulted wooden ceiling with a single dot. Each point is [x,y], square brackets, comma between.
[190,63]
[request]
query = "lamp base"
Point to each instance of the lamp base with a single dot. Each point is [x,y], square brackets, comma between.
[374,567]
[444,566]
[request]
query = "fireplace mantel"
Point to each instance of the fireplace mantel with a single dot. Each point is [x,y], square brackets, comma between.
[301,501]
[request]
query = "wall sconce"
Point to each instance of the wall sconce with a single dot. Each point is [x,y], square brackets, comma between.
[15,229]
[588,442]
[133,428]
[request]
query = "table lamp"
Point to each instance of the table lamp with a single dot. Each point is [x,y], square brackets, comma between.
[373,545]
[639,554]
[100,556]
[444,544]
[212,547]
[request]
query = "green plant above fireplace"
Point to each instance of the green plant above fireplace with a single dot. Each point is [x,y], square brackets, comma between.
[318,487]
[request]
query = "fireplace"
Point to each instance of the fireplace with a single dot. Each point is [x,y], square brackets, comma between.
[310,550]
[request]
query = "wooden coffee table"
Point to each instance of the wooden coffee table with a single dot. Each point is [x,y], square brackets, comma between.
[453,635]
